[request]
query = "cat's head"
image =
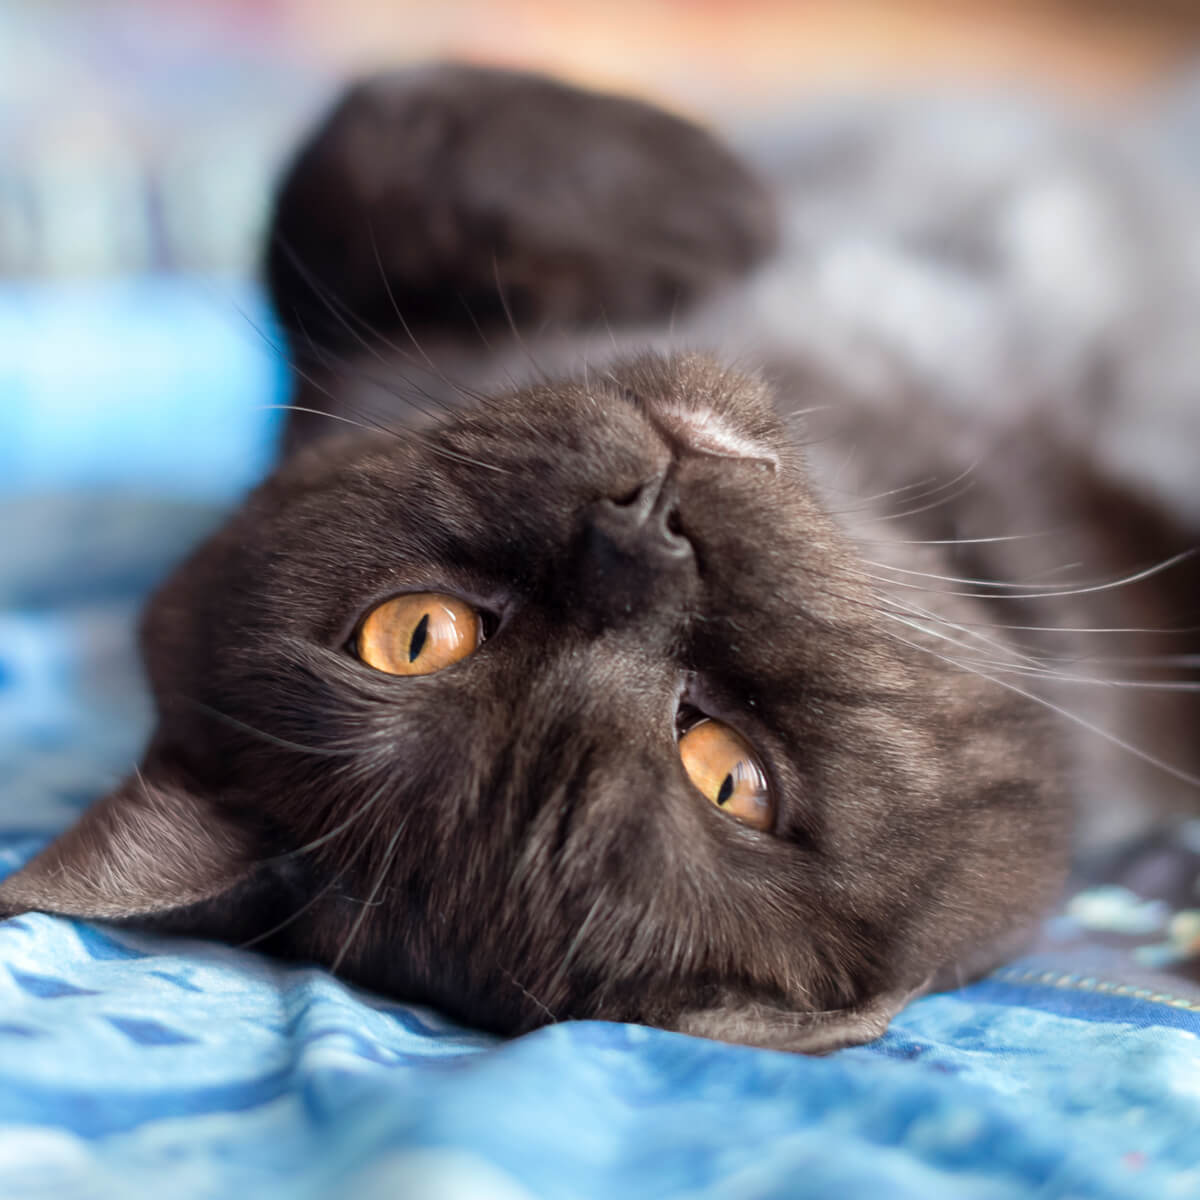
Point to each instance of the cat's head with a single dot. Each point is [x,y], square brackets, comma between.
[577,704]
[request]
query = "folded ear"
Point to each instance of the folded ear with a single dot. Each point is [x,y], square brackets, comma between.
[145,850]
[753,1023]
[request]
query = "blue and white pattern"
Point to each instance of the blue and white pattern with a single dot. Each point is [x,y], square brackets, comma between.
[133,1065]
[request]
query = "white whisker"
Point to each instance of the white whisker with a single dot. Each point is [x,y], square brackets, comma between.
[1121,744]
[868,501]
[1049,593]
[1003,647]
[982,541]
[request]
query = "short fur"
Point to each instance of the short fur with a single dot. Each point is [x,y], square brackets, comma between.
[514,839]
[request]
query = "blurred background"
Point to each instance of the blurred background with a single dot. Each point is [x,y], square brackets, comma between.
[139,140]
[143,134]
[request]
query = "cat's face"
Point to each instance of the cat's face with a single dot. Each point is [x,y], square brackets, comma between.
[576,705]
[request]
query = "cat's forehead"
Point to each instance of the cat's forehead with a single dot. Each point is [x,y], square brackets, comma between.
[628,416]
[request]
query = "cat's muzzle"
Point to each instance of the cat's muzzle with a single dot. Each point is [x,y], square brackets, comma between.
[634,559]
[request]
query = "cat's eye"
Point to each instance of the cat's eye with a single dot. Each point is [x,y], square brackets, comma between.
[720,763]
[419,633]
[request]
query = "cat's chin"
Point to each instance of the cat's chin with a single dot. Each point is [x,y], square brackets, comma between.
[772,1027]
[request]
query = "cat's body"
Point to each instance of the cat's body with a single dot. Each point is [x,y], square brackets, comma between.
[496,292]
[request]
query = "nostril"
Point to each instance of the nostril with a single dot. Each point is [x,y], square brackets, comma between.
[641,499]
[648,513]
[674,538]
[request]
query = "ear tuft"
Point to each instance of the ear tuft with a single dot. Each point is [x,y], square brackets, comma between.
[144,849]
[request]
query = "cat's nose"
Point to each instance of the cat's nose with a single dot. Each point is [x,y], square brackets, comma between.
[646,520]
[634,552]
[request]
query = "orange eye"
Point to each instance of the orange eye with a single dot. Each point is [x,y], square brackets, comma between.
[418,634]
[722,766]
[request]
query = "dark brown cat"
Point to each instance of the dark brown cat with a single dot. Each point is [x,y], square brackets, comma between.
[553,678]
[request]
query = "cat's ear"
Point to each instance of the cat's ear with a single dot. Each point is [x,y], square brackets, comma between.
[754,1023]
[145,851]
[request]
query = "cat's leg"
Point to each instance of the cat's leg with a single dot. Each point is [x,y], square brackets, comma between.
[440,205]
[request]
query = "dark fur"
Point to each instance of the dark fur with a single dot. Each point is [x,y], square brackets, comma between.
[514,839]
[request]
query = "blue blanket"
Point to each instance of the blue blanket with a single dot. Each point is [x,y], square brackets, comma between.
[137,1065]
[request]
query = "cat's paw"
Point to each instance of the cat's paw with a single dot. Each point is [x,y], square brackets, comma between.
[449,195]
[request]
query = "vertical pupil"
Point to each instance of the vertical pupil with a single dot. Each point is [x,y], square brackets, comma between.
[726,789]
[417,642]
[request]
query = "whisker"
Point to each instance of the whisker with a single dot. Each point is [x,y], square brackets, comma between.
[434,369]
[339,362]
[1165,631]
[1048,669]
[612,337]
[993,583]
[868,500]
[529,995]
[374,427]
[340,828]
[1149,660]
[925,614]
[360,811]
[263,735]
[387,287]
[941,487]
[512,323]
[1049,593]
[949,498]
[332,303]
[1147,685]
[369,903]
[1121,744]
[1011,537]
[314,899]
[474,321]
[282,355]
[340,311]
[299,371]
[347,366]
[796,413]
[320,412]
[845,463]
[576,942]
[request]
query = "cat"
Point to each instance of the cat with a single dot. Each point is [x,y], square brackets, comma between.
[594,651]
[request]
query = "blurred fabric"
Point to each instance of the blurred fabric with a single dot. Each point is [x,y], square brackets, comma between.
[144,135]
[154,383]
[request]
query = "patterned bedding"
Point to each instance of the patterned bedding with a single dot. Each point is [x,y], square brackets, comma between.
[132,411]
[135,1065]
